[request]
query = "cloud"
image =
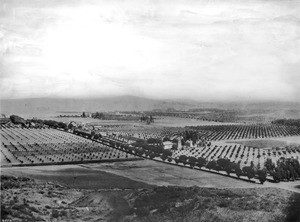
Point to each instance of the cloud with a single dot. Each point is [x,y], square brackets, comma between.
[164,49]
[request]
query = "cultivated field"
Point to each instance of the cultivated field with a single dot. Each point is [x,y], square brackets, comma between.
[21,146]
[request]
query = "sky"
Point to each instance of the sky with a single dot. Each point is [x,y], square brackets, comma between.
[166,49]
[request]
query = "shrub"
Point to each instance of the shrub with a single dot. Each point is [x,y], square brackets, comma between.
[55,213]
[142,212]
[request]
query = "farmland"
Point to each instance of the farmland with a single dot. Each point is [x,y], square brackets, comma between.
[108,170]
[48,146]
[220,149]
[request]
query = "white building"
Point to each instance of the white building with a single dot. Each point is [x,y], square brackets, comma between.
[167,145]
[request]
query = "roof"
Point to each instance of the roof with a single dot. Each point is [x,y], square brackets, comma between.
[167,143]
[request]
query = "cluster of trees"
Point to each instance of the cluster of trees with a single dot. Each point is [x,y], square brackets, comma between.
[56,125]
[142,148]
[158,149]
[287,169]
[154,141]
[51,123]
[18,120]
[194,136]
[86,133]
[287,122]
[190,135]
[98,115]
[147,119]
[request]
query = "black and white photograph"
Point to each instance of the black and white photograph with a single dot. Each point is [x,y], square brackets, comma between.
[150,110]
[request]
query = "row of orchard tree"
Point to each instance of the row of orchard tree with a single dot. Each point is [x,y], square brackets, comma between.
[287,122]
[223,165]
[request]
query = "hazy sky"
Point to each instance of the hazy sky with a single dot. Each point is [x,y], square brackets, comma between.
[197,49]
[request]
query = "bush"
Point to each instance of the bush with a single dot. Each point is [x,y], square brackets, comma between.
[55,213]
[142,212]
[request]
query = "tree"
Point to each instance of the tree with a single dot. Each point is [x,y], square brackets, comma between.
[270,166]
[152,155]
[154,141]
[238,171]
[211,165]
[201,162]
[175,140]
[192,161]
[167,152]
[18,120]
[223,163]
[166,139]
[174,146]
[249,172]
[276,176]
[262,175]
[183,159]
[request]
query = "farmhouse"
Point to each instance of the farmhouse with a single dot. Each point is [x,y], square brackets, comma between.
[167,145]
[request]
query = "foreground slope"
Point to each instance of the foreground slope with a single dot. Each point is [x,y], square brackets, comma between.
[25,199]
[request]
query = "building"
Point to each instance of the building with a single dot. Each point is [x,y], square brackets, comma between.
[167,145]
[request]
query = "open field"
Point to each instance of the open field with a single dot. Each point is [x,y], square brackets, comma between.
[160,174]
[77,177]
[290,139]
[133,175]
[182,122]
[268,143]
[145,171]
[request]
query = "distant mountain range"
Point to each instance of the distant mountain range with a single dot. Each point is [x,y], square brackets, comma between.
[120,103]
[127,103]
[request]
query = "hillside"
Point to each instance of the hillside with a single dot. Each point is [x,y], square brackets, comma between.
[120,103]
[133,103]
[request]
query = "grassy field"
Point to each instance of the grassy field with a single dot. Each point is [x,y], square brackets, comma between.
[91,176]
[182,122]
[74,176]
[290,140]
[136,174]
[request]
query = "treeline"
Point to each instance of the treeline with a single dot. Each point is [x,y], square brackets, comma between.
[224,165]
[38,123]
[50,123]
[287,122]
